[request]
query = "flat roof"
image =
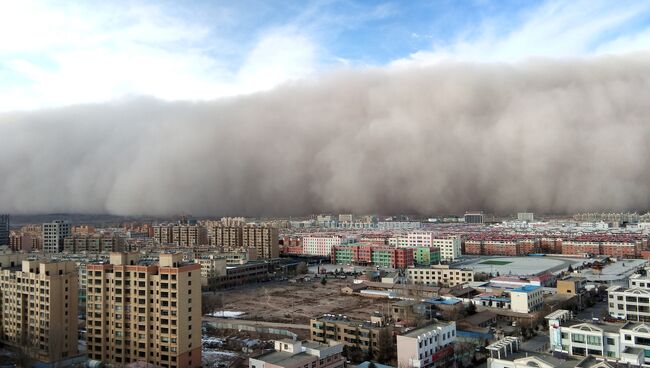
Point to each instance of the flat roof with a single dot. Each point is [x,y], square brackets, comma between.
[424,329]
[526,289]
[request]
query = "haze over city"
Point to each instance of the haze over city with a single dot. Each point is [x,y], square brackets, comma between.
[325,184]
[156,109]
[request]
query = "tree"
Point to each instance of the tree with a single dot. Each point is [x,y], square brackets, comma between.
[385,346]
[570,269]
[211,303]
[323,281]
[302,269]
[471,309]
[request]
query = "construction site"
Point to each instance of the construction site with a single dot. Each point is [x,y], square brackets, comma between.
[296,303]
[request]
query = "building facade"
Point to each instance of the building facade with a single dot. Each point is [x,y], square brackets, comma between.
[4,229]
[438,275]
[39,303]
[181,234]
[364,335]
[54,234]
[429,346]
[265,239]
[319,245]
[526,299]
[139,310]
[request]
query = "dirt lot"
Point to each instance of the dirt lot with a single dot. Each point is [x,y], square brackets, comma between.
[297,303]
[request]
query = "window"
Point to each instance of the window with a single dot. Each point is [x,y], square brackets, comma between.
[578,338]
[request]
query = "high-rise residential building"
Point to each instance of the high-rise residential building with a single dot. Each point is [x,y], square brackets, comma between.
[39,307]
[4,229]
[53,235]
[181,234]
[143,311]
[265,239]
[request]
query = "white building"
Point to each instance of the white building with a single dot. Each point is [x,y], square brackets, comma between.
[449,246]
[398,241]
[53,235]
[429,346]
[320,245]
[438,275]
[628,343]
[398,225]
[639,281]
[631,304]
[526,299]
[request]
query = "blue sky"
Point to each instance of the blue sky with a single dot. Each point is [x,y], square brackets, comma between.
[56,53]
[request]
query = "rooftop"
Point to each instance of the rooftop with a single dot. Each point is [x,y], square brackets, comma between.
[422,330]
[526,289]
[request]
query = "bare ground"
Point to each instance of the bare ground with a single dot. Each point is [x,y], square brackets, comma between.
[297,303]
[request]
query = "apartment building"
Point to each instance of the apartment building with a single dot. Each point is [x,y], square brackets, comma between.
[53,235]
[449,246]
[320,245]
[265,239]
[142,310]
[438,275]
[398,241]
[91,243]
[429,346]
[22,241]
[4,229]
[381,256]
[211,267]
[362,334]
[526,299]
[298,354]
[181,234]
[39,307]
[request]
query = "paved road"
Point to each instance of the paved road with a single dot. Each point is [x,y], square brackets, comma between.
[597,311]
[256,323]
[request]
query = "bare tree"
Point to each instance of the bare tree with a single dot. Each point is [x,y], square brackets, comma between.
[302,268]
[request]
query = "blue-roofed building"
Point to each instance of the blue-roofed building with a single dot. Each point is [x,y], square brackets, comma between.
[526,299]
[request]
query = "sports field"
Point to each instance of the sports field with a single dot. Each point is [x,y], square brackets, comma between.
[496,263]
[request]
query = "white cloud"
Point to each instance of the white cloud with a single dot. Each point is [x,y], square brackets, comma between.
[555,29]
[53,56]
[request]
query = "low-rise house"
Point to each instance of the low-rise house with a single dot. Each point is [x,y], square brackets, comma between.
[297,354]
